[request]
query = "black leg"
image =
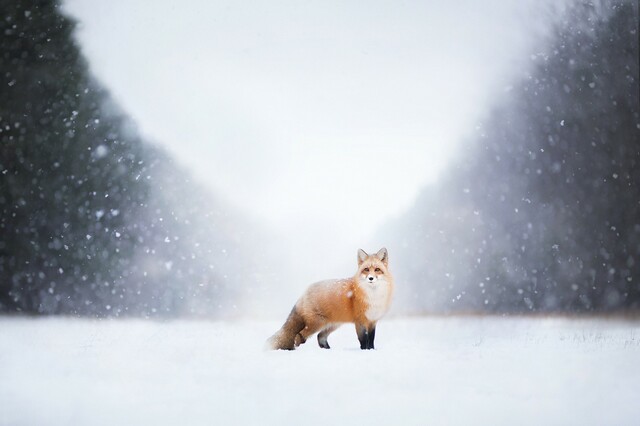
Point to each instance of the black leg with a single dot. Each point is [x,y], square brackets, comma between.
[372,335]
[322,340]
[363,336]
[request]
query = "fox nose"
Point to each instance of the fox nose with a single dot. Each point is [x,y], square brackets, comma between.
[370,278]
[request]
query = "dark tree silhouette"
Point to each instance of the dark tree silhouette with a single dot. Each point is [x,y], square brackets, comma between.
[92,220]
[68,169]
[543,212]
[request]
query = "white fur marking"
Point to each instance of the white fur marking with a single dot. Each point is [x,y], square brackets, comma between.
[377,297]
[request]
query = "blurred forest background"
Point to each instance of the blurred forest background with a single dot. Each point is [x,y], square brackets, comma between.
[94,220]
[541,213]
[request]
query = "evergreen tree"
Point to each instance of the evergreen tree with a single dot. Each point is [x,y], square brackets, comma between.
[93,221]
[68,168]
[543,212]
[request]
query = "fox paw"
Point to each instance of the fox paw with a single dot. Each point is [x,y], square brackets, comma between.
[299,339]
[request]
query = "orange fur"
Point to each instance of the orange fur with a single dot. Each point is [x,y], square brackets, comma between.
[362,300]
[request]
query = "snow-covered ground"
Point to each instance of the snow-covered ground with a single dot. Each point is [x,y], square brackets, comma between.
[465,370]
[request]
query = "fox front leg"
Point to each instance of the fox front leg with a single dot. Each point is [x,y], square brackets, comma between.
[363,336]
[366,335]
[371,332]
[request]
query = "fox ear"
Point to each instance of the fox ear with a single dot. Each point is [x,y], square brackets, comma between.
[362,256]
[383,255]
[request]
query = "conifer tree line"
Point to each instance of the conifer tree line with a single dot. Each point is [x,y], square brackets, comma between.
[542,212]
[94,220]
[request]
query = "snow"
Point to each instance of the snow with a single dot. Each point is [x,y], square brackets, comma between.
[462,370]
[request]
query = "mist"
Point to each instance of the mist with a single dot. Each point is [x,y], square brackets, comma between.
[174,175]
[215,159]
[319,122]
[541,214]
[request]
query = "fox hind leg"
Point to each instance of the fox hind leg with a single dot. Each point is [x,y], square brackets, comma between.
[324,334]
[309,329]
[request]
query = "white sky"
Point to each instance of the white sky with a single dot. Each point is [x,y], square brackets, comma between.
[321,119]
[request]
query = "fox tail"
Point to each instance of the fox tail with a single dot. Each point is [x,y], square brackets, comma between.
[285,338]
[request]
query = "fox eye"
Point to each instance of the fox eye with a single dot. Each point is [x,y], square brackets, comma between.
[365,270]
[378,270]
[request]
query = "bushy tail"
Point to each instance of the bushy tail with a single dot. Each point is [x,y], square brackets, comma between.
[285,338]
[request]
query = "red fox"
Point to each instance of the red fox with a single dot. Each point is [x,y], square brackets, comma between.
[361,300]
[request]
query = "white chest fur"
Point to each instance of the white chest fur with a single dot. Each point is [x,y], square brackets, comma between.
[377,299]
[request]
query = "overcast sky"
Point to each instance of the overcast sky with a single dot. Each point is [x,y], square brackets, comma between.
[321,119]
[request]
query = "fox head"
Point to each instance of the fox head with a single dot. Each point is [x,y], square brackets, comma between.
[373,268]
